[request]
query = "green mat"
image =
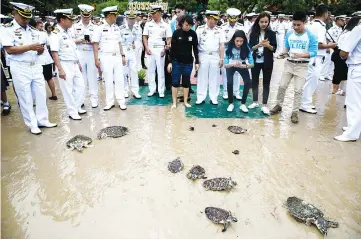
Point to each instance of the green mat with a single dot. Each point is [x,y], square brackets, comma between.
[205,110]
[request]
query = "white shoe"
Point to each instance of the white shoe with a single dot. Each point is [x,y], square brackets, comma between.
[150,94]
[94,104]
[198,102]
[225,96]
[81,111]
[126,94]
[243,108]
[108,107]
[341,138]
[137,96]
[47,125]
[344,128]
[313,106]
[215,102]
[308,110]
[230,107]
[253,105]
[322,79]
[123,107]
[161,95]
[75,117]
[238,97]
[265,110]
[35,131]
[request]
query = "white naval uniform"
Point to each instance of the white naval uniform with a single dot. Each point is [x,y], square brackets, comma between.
[317,28]
[228,33]
[332,35]
[247,26]
[352,45]
[138,46]
[156,33]
[129,37]
[27,73]
[72,87]
[209,41]
[108,37]
[280,35]
[86,59]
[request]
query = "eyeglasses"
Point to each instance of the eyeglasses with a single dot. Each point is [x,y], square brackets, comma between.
[177,12]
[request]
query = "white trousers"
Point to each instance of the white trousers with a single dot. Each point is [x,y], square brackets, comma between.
[353,103]
[155,61]
[138,54]
[236,82]
[72,87]
[131,71]
[280,43]
[208,76]
[328,67]
[29,83]
[86,59]
[112,68]
[314,71]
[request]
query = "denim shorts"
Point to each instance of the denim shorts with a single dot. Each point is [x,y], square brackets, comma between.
[181,69]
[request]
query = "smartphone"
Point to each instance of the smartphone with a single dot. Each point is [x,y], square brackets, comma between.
[87,38]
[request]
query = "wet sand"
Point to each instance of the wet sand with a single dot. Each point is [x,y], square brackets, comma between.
[121,188]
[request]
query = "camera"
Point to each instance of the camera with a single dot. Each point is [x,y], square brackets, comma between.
[259,54]
[87,38]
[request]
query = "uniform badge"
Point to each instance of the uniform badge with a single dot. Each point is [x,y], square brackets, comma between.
[105,30]
[17,31]
[190,39]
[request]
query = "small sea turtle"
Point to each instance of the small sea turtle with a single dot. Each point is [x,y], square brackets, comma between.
[113,131]
[214,125]
[196,172]
[220,216]
[175,166]
[308,214]
[236,152]
[236,129]
[191,128]
[219,184]
[78,142]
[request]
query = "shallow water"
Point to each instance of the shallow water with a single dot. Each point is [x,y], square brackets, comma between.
[121,188]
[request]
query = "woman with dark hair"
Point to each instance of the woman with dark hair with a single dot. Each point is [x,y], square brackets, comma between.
[263,43]
[184,43]
[238,58]
[341,69]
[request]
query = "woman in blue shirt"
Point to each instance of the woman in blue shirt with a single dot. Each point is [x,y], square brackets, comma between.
[238,58]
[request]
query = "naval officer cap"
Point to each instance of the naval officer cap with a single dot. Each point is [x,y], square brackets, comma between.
[358,14]
[156,8]
[233,14]
[110,10]
[68,13]
[24,10]
[281,15]
[213,14]
[130,14]
[85,10]
[341,17]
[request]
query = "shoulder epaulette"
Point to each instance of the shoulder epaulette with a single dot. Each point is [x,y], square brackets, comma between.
[122,26]
[10,24]
[32,28]
[202,26]
[239,24]
[224,24]
[56,30]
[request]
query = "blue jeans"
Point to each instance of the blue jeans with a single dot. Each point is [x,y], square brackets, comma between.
[184,70]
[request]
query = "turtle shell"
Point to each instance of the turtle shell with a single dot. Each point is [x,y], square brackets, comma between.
[196,172]
[302,210]
[218,184]
[113,132]
[236,129]
[217,215]
[79,138]
[175,166]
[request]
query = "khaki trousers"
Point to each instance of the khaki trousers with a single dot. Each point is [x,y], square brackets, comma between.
[297,71]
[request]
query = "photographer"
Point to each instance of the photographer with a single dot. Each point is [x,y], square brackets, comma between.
[263,43]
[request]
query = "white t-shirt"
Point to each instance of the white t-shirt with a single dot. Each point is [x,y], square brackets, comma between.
[318,28]
[352,45]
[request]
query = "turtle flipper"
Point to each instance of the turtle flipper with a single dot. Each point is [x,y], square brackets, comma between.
[89,146]
[71,148]
[204,177]
[331,224]
[225,226]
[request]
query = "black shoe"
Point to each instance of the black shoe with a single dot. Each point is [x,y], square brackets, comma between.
[144,67]
[82,105]
[53,98]
[6,110]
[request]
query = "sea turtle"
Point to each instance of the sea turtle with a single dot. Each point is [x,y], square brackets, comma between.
[219,184]
[78,142]
[214,125]
[113,131]
[196,172]
[236,152]
[191,128]
[175,166]
[308,214]
[236,129]
[220,216]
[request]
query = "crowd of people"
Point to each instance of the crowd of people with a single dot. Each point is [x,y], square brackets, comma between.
[114,48]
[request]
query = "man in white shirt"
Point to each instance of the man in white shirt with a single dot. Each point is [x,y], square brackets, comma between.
[66,59]
[83,33]
[281,30]
[318,28]
[108,48]
[156,38]
[211,42]
[351,49]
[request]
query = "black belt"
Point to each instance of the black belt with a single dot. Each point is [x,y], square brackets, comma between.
[293,61]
